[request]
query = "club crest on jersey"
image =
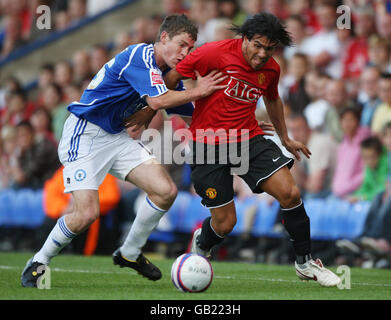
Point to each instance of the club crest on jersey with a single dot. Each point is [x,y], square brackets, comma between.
[242,90]
[156,77]
[261,78]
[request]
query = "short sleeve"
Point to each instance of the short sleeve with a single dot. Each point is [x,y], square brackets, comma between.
[142,74]
[272,88]
[202,59]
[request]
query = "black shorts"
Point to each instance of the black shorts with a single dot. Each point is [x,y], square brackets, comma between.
[213,180]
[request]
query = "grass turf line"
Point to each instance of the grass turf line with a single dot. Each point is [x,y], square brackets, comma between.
[76,277]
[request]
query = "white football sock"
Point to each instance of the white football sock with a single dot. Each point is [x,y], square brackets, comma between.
[59,237]
[147,219]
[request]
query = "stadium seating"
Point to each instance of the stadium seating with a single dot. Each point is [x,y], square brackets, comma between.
[330,219]
[21,208]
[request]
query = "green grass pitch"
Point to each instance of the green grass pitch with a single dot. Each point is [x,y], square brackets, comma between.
[76,277]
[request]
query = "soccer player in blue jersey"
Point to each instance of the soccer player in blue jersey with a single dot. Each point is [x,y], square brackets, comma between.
[95,142]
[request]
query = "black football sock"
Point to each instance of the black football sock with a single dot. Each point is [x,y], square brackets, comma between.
[297,224]
[208,237]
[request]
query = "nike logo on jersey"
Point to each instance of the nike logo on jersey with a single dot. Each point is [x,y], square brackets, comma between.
[276,159]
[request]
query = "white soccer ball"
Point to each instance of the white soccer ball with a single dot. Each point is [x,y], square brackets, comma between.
[191,272]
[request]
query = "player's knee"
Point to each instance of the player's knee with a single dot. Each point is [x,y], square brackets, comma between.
[88,216]
[225,226]
[290,197]
[166,194]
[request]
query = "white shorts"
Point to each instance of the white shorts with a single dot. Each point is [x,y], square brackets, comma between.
[88,153]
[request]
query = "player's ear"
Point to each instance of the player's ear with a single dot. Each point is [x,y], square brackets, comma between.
[164,37]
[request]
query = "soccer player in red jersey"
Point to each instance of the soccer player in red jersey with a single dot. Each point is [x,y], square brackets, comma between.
[252,73]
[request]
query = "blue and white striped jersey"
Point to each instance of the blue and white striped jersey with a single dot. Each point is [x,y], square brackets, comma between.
[118,88]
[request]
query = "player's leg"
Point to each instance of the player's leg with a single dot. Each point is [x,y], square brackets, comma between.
[85,212]
[137,165]
[214,229]
[281,185]
[154,180]
[214,184]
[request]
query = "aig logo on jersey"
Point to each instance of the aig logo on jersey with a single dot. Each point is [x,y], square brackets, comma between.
[156,77]
[242,90]
[80,175]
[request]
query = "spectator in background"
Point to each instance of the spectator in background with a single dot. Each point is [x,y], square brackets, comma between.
[337,97]
[61,20]
[295,25]
[379,53]
[376,234]
[45,77]
[77,10]
[297,98]
[173,6]
[99,56]
[367,95]
[323,47]
[81,66]
[41,120]
[376,170]
[357,56]
[313,175]
[383,24]
[303,9]
[276,7]
[253,7]
[315,87]
[37,160]
[122,41]
[52,102]
[349,168]
[13,35]
[73,92]
[139,31]
[8,155]
[223,30]
[63,74]
[204,13]
[231,10]
[16,110]
[97,6]
[382,115]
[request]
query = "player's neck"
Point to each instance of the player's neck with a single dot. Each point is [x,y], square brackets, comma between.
[159,56]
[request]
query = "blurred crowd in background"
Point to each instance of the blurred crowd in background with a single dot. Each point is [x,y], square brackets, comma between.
[335,83]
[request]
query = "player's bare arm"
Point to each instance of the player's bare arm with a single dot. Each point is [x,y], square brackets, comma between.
[172,78]
[205,86]
[275,110]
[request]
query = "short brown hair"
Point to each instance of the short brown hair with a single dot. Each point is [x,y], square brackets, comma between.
[175,24]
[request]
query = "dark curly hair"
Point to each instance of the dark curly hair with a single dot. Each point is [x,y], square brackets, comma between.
[267,25]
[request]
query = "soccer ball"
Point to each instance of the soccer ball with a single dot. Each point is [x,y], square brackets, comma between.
[191,272]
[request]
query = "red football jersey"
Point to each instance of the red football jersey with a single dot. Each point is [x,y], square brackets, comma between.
[231,109]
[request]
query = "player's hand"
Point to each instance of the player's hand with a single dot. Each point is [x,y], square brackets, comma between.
[210,83]
[267,128]
[141,118]
[295,147]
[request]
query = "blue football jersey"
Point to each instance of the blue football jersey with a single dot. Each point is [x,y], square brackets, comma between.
[120,86]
